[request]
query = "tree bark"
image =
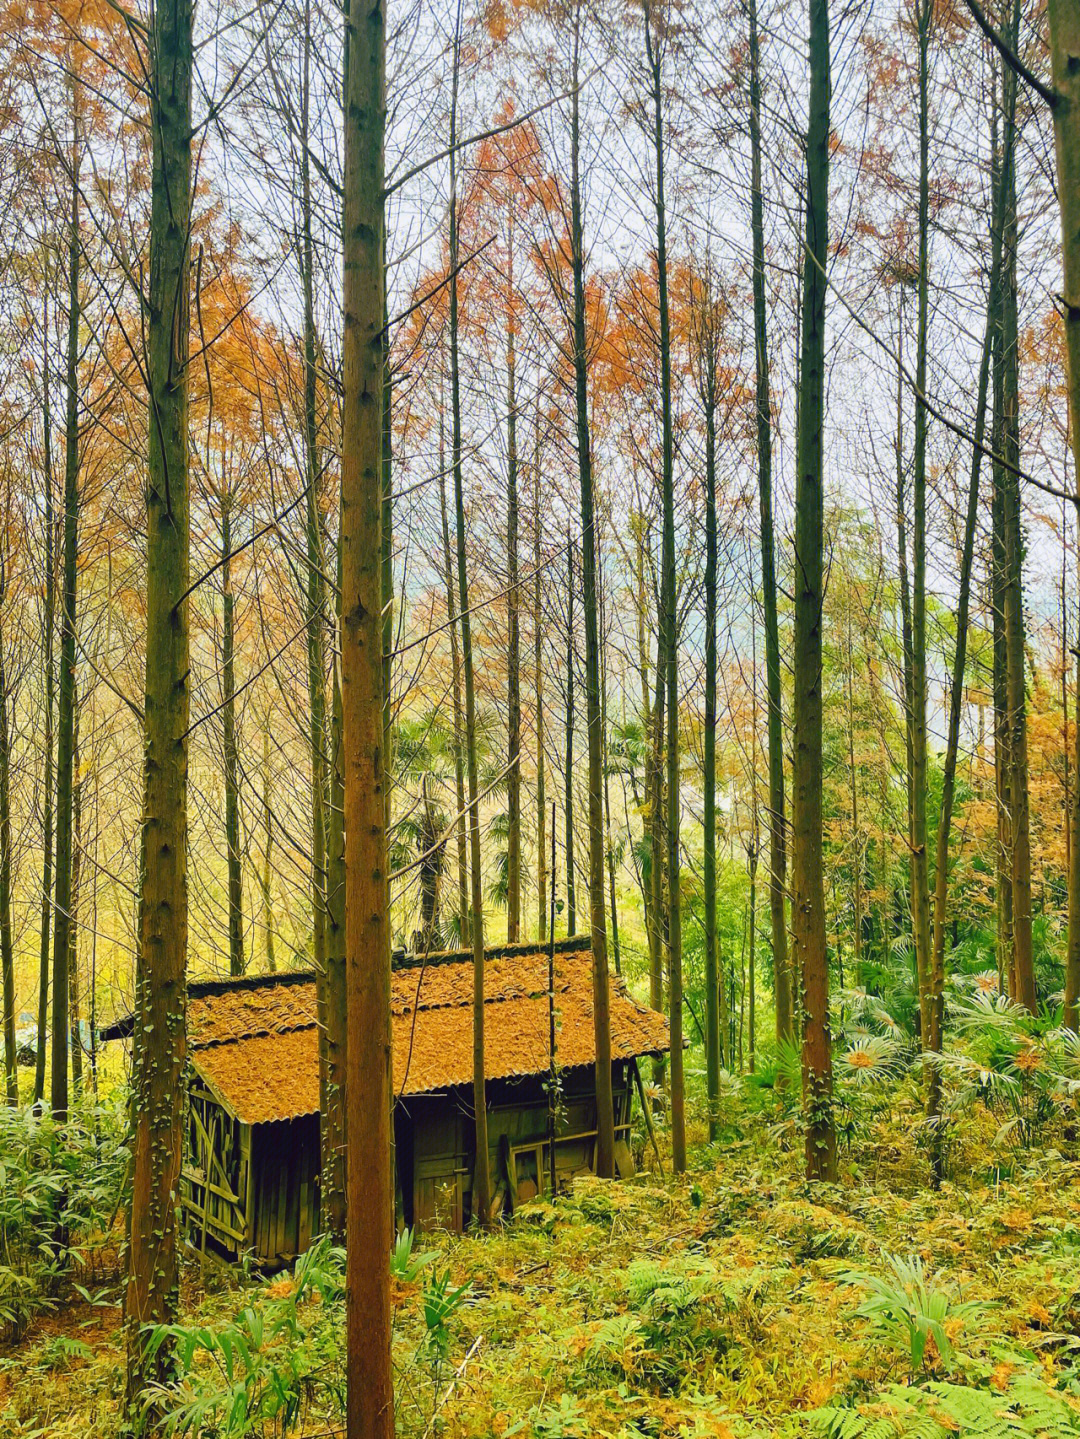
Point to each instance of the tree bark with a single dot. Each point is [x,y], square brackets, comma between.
[808,896]
[785,1010]
[160,1058]
[920,874]
[333,1177]
[368,1091]
[74,986]
[707,358]
[669,621]
[1002,160]
[568,767]
[1064,20]
[1013,597]
[65,751]
[481,1191]
[7,945]
[513,607]
[538,664]
[49,628]
[232,763]
[605,1113]
[267,872]
[459,721]
[331,1138]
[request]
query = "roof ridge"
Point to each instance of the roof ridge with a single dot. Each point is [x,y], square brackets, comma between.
[122,1026]
[572,944]
[263,1032]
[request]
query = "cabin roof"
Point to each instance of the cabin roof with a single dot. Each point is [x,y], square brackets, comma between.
[254,1042]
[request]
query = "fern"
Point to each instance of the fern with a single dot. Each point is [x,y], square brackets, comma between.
[940,1410]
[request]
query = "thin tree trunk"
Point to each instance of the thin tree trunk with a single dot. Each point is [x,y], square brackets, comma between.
[808,892]
[513,606]
[538,658]
[669,621]
[655,741]
[160,1057]
[568,767]
[1013,598]
[1002,763]
[920,875]
[1064,18]
[605,1112]
[481,1192]
[785,1011]
[93,940]
[755,845]
[65,753]
[904,583]
[330,1113]
[74,987]
[232,763]
[856,836]
[49,626]
[268,850]
[707,380]
[459,722]
[7,945]
[368,1090]
[609,840]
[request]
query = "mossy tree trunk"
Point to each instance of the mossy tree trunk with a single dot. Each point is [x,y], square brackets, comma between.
[160,1055]
[808,889]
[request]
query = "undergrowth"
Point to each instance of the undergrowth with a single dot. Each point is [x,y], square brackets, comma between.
[735,1301]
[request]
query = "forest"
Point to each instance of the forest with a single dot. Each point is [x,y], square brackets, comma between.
[540,719]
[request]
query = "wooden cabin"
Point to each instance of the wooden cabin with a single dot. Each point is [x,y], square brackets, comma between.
[251,1173]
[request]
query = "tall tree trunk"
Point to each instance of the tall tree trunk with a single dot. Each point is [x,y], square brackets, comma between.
[707,381]
[334,1144]
[268,870]
[7,945]
[609,838]
[669,620]
[568,767]
[330,1113]
[368,1091]
[481,1192]
[386,555]
[232,763]
[459,721]
[1013,597]
[808,890]
[513,607]
[538,665]
[605,1112]
[920,874]
[654,783]
[1064,21]
[904,583]
[856,833]
[785,1011]
[74,987]
[161,1054]
[65,753]
[47,799]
